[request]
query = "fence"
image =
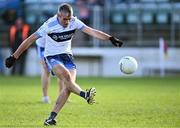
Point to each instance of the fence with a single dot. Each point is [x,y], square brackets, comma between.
[138,24]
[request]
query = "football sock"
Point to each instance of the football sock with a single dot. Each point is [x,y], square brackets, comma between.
[83,94]
[46,97]
[53,115]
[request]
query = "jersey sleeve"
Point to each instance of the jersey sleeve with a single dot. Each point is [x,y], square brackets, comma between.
[79,24]
[41,32]
[41,42]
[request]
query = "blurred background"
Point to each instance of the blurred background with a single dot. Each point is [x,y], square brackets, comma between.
[150,30]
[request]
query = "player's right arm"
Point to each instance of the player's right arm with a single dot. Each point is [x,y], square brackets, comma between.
[9,62]
[25,45]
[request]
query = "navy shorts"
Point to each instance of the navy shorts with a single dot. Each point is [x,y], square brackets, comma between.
[40,51]
[65,59]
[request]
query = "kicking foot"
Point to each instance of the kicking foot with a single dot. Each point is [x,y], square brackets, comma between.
[90,95]
[49,122]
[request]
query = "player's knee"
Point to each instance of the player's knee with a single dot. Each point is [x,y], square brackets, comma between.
[64,89]
[67,76]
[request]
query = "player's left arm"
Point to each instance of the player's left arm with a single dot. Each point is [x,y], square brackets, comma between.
[102,35]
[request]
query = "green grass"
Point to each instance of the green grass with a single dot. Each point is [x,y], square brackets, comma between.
[121,103]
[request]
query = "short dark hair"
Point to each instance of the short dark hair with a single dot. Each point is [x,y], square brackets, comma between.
[66,8]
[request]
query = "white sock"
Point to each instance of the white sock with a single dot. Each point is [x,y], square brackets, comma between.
[46,99]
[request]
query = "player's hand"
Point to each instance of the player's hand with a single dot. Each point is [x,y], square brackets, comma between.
[9,62]
[115,41]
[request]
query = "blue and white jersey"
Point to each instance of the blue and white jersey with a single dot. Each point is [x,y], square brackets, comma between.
[57,38]
[41,42]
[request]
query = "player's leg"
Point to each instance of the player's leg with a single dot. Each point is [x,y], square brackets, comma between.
[61,83]
[88,94]
[61,87]
[63,74]
[68,77]
[73,76]
[61,100]
[45,80]
[45,75]
[61,64]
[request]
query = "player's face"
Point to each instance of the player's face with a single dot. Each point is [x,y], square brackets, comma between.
[64,19]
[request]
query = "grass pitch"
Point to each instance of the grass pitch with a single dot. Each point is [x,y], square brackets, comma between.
[121,103]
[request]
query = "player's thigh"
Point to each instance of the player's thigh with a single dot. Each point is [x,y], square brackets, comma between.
[73,77]
[73,74]
[61,72]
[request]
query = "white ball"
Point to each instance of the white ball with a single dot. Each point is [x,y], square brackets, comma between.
[128,65]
